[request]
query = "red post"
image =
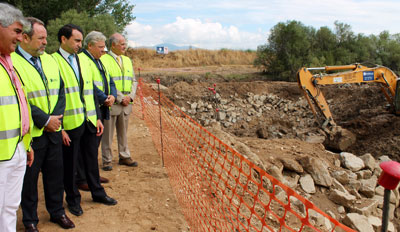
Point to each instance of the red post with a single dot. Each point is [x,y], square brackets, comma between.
[389,179]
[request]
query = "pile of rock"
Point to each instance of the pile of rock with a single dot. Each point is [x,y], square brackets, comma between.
[233,109]
[352,186]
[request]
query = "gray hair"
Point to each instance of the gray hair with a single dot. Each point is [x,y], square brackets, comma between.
[32,21]
[113,39]
[9,15]
[93,37]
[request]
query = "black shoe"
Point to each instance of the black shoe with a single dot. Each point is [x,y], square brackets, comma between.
[105,200]
[107,168]
[63,221]
[31,228]
[75,210]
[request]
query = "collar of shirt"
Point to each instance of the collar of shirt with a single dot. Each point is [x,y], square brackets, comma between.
[6,61]
[112,54]
[28,56]
[64,53]
[90,54]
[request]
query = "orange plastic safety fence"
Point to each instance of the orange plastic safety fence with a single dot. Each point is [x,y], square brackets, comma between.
[218,188]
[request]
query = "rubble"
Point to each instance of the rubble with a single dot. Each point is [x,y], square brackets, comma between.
[346,179]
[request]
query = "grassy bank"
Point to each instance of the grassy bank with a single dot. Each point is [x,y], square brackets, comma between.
[148,58]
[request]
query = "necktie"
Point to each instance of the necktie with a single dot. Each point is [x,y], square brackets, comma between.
[38,68]
[103,75]
[71,62]
[119,61]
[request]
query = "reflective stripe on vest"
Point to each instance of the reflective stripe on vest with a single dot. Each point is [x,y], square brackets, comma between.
[8,100]
[88,77]
[97,77]
[122,78]
[10,123]
[74,113]
[39,93]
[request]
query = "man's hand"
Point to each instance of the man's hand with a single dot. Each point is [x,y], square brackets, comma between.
[29,157]
[65,138]
[100,127]
[109,101]
[126,101]
[54,123]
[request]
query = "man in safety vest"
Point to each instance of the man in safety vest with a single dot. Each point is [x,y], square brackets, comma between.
[40,73]
[105,90]
[15,120]
[81,121]
[121,71]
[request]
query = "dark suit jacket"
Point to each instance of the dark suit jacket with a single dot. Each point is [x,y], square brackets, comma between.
[102,96]
[40,118]
[77,132]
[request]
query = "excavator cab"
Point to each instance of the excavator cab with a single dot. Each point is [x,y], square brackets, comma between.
[310,82]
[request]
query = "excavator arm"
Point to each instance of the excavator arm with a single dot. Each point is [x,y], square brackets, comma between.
[310,84]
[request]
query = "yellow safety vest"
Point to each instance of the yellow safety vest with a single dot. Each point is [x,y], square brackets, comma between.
[74,109]
[40,95]
[98,78]
[122,77]
[10,118]
[88,91]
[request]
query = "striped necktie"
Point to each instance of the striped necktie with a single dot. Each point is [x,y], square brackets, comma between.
[38,68]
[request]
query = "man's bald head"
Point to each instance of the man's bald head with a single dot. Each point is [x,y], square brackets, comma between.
[117,44]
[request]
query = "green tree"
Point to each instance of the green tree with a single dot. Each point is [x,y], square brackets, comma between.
[292,45]
[324,45]
[388,50]
[46,10]
[103,23]
[346,43]
[121,10]
[288,49]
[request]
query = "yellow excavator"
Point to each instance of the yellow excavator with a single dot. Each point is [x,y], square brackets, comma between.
[310,80]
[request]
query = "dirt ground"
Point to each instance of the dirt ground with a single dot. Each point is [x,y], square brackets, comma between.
[145,198]
[361,109]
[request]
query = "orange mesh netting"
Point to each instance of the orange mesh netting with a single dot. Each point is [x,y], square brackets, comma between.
[218,188]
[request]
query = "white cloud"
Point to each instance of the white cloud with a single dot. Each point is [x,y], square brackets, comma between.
[246,24]
[194,32]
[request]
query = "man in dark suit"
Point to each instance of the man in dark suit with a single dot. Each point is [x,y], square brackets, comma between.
[105,88]
[82,119]
[41,76]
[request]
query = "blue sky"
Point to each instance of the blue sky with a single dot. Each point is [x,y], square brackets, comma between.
[245,24]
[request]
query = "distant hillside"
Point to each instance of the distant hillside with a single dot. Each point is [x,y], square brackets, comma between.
[148,58]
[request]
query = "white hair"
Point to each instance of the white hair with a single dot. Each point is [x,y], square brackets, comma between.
[9,15]
[93,37]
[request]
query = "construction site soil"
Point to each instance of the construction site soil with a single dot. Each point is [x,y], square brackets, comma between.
[360,108]
[282,127]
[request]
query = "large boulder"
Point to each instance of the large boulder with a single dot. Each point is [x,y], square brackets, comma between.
[358,221]
[317,169]
[339,138]
[342,198]
[351,161]
[307,184]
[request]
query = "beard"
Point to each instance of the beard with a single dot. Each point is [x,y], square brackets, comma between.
[40,50]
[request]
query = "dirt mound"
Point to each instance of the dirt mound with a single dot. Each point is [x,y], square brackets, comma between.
[274,121]
[360,109]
